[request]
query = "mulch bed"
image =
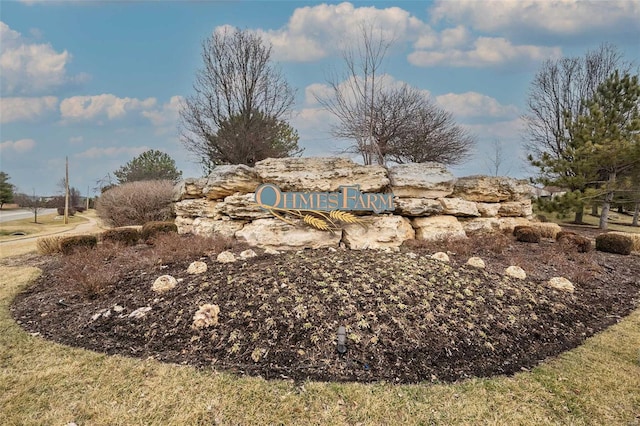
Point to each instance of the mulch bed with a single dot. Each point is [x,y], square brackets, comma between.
[408,318]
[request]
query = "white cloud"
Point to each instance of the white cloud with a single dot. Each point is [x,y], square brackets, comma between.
[112,151]
[486,51]
[20,146]
[474,104]
[324,91]
[560,17]
[76,140]
[17,109]
[28,68]
[314,32]
[99,106]
[167,115]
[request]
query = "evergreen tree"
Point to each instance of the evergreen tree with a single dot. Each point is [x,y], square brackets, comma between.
[150,165]
[6,189]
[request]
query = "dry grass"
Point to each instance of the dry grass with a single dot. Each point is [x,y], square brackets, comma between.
[46,383]
[46,224]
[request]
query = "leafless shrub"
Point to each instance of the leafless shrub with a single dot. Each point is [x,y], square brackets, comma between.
[75,243]
[48,245]
[136,203]
[171,247]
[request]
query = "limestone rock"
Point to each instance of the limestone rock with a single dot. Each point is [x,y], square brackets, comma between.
[206,316]
[247,254]
[380,232]
[320,174]
[476,262]
[488,209]
[164,283]
[228,179]
[507,224]
[417,206]
[481,224]
[516,272]
[271,251]
[196,207]
[188,188]
[491,189]
[210,227]
[562,284]
[184,225]
[421,180]
[437,228]
[226,257]
[242,206]
[515,209]
[140,312]
[278,235]
[441,256]
[197,268]
[459,207]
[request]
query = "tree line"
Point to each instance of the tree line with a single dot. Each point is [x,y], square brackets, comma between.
[583,131]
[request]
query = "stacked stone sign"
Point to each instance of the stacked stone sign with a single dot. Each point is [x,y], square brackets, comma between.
[373,206]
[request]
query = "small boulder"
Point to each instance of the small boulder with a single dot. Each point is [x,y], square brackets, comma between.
[561,283]
[206,316]
[441,256]
[516,272]
[140,312]
[197,268]
[247,254]
[164,283]
[226,257]
[476,262]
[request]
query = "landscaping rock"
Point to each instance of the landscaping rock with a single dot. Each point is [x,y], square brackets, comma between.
[210,227]
[206,316]
[437,228]
[320,174]
[164,283]
[226,180]
[279,235]
[243,207]
[226,257]
[197,207]
[417,207]
[562,284]
[516,272]
[459,207]
[441,256]
[247,254]
[379,232]
[476,262]
[421,180]
[140,312]
[491,189]
[197,268]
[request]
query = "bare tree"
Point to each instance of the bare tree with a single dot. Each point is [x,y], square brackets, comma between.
[389,122]
[238,84]
[356,92]
[557,92]
[495,159]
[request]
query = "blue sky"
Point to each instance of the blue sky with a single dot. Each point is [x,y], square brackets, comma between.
[102,81]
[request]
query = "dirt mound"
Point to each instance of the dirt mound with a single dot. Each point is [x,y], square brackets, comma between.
[408,317]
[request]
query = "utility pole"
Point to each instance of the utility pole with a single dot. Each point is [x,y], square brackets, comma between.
[87,197]
[66,192]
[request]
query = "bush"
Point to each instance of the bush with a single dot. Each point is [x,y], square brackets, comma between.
[526,234]
[126,236]
[547,229]
[61,211]
[614,243]
[70,244]
[571,240]
[634,237]
[79,209]
[48,245]
[151,229]
[136,203]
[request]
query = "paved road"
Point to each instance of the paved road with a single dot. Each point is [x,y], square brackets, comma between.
[7,215]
